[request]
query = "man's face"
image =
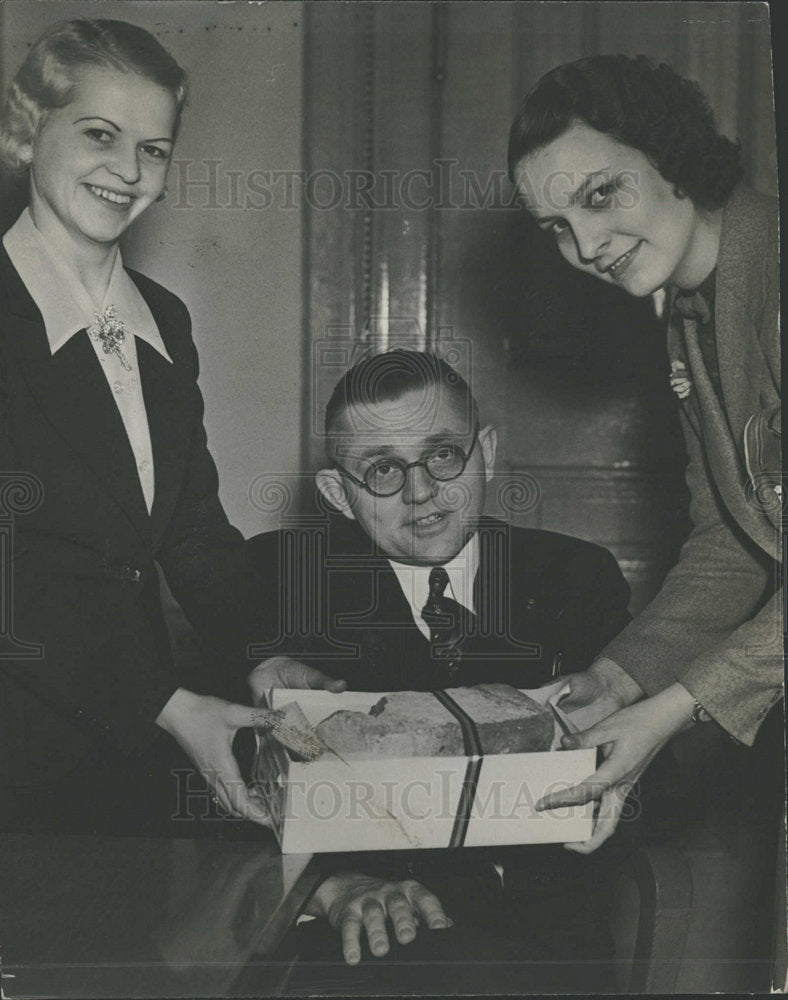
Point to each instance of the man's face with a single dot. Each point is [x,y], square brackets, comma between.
[428,521]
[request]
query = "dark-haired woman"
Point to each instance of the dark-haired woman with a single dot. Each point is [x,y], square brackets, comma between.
[101,425]
[620,161]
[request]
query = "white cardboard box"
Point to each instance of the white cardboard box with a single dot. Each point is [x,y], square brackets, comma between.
[401,804]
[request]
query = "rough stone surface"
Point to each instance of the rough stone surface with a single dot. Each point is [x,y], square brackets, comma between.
[415,724]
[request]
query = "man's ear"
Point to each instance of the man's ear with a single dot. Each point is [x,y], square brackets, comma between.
[488,442]
[332,486]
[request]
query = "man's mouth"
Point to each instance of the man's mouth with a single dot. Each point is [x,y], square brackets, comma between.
[619,266]
[114,197]
[429,519]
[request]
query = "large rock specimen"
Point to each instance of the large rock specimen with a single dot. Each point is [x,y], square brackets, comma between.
[416,724]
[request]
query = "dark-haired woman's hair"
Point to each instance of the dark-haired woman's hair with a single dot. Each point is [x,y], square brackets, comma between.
[46,78]
[643,104]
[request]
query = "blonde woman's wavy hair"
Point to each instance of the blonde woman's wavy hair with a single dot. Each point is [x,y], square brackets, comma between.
[45,81]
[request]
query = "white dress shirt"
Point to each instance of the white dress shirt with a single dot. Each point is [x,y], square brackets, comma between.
[415,581]
[67,307]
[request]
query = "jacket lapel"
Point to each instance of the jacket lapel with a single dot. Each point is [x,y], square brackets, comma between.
[726,464]
[738,299]
[71,390]
[169,404]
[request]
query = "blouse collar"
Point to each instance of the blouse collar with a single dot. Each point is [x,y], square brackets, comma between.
[64,302]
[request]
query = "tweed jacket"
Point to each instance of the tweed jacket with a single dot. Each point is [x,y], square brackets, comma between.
[84,649]
[716,625]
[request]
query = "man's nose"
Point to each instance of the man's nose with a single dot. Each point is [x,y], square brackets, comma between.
[419,485]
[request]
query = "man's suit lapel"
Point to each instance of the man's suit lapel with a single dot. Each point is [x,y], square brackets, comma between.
[85,417]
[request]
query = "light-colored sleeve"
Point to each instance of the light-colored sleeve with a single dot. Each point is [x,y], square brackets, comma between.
[711,626]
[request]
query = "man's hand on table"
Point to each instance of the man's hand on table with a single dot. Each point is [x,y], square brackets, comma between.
[351,901]
[205,727]
[285,672]
[630,732]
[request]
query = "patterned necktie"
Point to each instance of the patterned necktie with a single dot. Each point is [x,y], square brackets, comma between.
[447,620]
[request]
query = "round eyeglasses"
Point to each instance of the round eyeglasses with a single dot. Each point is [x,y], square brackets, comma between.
[387,476]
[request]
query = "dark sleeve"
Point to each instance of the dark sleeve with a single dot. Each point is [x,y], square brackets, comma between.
[206,564]
[294,598]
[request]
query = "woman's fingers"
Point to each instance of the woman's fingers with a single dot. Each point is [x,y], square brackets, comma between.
[583,689]
[317,680]
[231,791]
[244,806]
[611,807]
[374,917]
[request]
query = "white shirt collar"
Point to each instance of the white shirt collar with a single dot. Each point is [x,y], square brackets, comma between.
[462,569]
[61,297]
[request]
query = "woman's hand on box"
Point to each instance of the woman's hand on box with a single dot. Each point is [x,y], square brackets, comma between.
[285,672]
[205,727]
[630,738]
[597,692]
[351,901]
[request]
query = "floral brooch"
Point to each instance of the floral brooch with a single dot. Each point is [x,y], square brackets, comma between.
[111,332]
[680,382]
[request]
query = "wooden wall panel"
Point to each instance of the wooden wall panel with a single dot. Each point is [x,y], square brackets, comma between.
[573,372]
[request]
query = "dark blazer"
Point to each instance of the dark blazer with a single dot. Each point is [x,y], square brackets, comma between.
[716,624]
[330,599]
[84,651]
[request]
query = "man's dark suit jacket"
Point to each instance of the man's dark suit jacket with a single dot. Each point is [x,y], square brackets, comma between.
[83,587]
[331,599]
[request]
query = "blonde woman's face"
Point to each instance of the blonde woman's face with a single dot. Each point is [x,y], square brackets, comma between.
[99,162]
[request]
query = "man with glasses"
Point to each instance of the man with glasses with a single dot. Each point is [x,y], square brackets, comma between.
[405,585]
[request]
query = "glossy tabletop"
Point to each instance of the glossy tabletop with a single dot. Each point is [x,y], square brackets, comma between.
[91,916]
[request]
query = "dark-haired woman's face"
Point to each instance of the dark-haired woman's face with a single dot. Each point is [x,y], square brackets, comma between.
[611,212]
[99,162]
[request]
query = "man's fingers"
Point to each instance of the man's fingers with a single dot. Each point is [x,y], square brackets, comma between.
[374,917]
[351,939]
[429,907]
[611,807]
[401,916]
